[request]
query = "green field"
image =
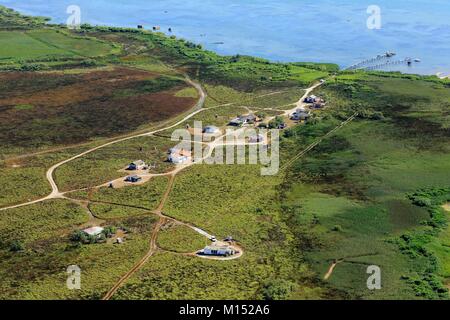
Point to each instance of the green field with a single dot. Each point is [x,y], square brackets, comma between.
[44,44]
[352,189]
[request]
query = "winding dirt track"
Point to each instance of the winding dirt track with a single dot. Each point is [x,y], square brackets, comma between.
[153,246]
[331,269]
[56,194]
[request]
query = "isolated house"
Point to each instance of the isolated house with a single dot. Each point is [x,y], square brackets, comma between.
[178,156]
[300,114]
[316,101]
[218,251]
[243,119]
[93,231]
[137,165]
[310,99]
[133,179]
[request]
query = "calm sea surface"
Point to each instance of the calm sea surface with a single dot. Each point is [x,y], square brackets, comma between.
[283,30]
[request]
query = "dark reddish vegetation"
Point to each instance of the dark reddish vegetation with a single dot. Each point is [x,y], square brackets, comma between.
[48,109]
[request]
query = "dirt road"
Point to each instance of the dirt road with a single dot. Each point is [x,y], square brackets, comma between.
[56,194]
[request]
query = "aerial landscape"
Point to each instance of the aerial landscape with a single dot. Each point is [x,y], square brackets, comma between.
[146,159]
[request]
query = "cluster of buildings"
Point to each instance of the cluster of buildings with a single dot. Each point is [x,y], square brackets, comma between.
[303,114]
[316,102]
[182,156]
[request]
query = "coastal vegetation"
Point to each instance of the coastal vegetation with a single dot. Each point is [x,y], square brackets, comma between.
[371,193]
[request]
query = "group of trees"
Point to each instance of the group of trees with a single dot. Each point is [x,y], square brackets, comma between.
[82,237]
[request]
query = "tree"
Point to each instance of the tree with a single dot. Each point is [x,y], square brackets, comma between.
[261,115]
[277,289]
[16,246]
[276,122]
[109,231]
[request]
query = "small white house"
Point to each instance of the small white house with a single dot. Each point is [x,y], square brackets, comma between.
[137,165]
[93,231]
[177,159]
[179,156]
[218,251]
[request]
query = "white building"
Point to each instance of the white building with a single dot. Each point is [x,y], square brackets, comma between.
[137,165]
[93,231]
[179,156]
[219,251]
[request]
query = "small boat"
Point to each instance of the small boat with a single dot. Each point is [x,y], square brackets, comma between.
[417,60]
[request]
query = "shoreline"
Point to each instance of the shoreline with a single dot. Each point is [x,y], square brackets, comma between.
[213,45]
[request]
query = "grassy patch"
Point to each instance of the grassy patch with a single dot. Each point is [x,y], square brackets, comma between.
[180,238]
[47,45]
[39,221]
[147,195]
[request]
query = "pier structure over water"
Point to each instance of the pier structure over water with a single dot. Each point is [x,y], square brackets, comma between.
[381,61]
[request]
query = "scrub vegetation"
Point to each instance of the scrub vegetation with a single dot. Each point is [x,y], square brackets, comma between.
[369,194]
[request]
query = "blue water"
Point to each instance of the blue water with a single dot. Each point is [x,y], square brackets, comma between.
[282,30]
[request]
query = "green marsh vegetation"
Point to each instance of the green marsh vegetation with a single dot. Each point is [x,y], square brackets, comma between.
[368,195]
[348,198]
